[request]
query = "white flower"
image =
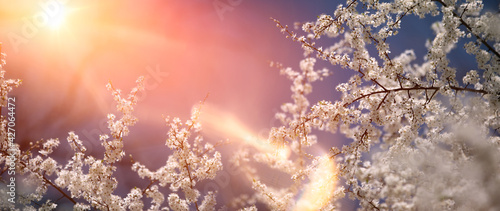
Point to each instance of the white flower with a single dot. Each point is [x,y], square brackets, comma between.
[176,203]
[49,165]
[48,146]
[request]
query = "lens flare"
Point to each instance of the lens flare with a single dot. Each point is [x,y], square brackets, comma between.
[222,123]
[317,193]
[321,188]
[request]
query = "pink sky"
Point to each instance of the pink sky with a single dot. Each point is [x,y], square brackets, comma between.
[185,50]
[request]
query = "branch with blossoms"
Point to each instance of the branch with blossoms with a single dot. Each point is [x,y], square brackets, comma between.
[470,29]
[400,107]
[310,174]
[94,188]
[331,57]
[39,167]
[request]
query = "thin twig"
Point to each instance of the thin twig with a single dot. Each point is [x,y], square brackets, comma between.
[415,88]
[471,31]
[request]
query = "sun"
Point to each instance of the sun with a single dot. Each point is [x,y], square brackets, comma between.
[58,19]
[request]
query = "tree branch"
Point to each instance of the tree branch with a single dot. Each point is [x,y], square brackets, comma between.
[387,91]
[490,48]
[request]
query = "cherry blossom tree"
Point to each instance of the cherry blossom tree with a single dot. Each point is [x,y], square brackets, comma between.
[420,137]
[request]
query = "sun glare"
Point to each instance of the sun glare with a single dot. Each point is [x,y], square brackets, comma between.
[317,192]
[224,123]
[321,188]
[56,21]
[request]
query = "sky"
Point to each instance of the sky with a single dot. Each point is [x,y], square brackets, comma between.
[65,54]
[188,49]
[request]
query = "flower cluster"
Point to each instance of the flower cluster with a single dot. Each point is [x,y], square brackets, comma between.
[89,182]
[9,152]
[312,176]
[190,163]
[430,130]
